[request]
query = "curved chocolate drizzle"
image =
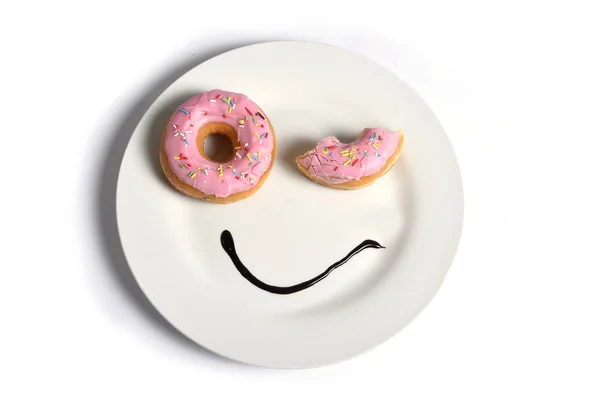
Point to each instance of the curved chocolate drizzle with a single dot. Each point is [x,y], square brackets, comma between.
[229,247]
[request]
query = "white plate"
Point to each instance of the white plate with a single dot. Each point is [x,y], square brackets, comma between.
[293,229]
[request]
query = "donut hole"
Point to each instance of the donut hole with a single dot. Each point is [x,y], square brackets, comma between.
[216,142]
[218,148]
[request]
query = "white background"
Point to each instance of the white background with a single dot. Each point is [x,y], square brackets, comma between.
[516,86]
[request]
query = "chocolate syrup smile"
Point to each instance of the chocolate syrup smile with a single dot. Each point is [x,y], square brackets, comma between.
[229,247]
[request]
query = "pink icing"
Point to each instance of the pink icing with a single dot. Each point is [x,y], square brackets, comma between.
[255,137]
[335,163]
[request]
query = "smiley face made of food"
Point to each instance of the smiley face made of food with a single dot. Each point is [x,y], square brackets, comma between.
[187,166]
[189,169]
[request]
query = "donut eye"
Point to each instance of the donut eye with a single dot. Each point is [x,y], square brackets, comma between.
[219,147]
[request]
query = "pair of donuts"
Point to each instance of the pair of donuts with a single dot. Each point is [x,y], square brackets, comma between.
[190,170]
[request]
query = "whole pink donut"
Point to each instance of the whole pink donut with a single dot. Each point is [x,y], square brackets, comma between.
[234,115]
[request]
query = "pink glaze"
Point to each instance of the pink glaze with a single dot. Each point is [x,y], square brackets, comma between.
[335,163]
[254,135]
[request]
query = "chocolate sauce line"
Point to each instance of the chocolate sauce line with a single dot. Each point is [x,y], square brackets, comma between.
[229,247]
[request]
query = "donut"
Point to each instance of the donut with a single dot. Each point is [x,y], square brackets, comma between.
[184,160]
[353,165]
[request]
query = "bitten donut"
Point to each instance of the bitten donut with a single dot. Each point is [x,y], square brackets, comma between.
[354,165]
[233,115]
